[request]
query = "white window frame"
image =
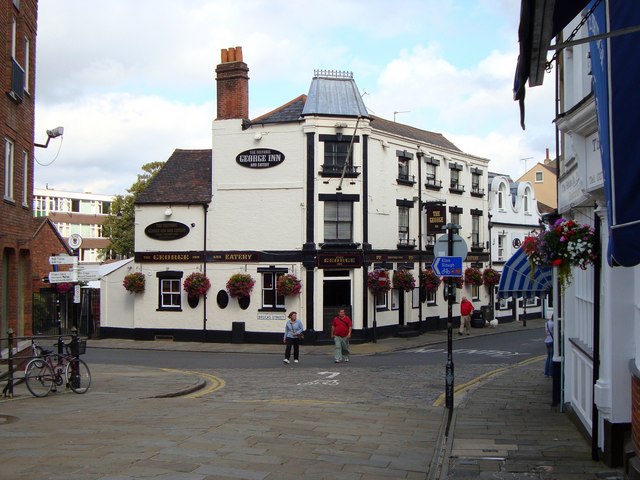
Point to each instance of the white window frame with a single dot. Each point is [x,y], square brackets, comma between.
[539,177]
[8,169]
[501,247]
[403,225]
[527,200]
[170,297]
[25,179]
[501,196]
[27,46]
[431,174]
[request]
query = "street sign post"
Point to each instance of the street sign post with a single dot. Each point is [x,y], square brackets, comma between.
[447,266]
[63,260]
[63,277]
[88,275]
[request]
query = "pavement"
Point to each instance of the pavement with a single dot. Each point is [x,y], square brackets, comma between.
[285,422]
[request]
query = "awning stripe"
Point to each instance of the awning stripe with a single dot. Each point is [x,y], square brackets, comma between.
[516,279]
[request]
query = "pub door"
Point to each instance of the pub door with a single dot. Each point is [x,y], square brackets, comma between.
[336,295]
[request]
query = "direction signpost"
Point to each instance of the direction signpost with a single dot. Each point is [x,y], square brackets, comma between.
[63,277]
[447,266]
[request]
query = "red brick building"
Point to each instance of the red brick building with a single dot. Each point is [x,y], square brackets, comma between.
[18,62]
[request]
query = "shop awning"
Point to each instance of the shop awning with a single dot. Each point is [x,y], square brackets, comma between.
[517,280]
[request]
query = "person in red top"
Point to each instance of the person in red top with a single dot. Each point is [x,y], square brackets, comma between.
[466,308]
[341,333]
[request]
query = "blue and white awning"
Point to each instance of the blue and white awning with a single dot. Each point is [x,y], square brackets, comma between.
[517,280]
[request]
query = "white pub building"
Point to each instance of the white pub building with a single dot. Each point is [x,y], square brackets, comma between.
[318,188]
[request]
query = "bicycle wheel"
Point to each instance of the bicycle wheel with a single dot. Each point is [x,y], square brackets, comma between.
[78,375]
[39,377]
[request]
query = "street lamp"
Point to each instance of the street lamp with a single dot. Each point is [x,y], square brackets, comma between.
[493,288]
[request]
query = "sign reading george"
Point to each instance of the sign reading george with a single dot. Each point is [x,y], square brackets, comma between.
[260,158]
[447,266]
[436,219]
[166,230]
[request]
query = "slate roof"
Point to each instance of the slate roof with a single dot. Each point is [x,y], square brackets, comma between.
[184,179]
[289,112]
[402,130]
[334,94]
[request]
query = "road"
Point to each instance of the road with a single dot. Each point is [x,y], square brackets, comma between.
[412,377]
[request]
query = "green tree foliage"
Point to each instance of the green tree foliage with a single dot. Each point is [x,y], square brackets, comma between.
[119,225]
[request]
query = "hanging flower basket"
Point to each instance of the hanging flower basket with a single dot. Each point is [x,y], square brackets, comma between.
[240,285]
[288,285]
[430,281]
[403,280]
[564,245]
[378,281]
[196,284]
[490,277]
[458,282]
[134,282]
[63,288]
[473,276]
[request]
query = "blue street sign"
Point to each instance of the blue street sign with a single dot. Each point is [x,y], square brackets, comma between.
[447,266]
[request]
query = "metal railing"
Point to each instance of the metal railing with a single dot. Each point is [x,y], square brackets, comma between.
[15,359]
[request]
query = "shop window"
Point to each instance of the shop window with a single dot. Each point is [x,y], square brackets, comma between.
[169,291]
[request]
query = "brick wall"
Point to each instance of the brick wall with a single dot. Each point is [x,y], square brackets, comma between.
[17,126]
[635,413]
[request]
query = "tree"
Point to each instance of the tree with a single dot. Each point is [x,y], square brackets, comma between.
[119,225]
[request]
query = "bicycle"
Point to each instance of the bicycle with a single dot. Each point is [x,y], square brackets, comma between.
[50,370]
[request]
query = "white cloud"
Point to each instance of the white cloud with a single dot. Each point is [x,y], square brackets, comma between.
[132,81]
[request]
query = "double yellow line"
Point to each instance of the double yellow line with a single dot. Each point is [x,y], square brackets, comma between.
[215,382]
[466,386]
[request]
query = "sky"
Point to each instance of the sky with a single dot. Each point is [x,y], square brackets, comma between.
[131,81]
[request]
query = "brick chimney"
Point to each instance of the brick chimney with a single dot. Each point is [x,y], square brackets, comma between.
[233,85]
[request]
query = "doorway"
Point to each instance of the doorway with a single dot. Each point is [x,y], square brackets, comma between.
[336,295]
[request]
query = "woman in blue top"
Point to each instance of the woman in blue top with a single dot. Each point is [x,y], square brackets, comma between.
[292,333]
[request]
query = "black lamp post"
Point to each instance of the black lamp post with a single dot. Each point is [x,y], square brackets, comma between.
[492,288]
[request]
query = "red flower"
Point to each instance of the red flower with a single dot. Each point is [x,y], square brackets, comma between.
[557,261]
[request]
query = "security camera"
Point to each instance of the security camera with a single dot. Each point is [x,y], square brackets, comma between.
[56,132]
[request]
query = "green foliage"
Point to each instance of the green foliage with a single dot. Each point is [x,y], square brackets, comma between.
[120,231]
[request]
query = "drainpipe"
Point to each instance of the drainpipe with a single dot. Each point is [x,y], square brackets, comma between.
[205,209]
[596,346]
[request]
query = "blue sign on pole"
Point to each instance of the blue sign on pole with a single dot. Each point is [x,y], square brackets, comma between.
[447,266]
